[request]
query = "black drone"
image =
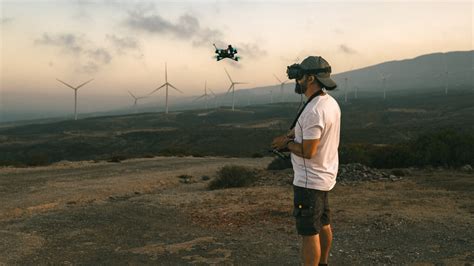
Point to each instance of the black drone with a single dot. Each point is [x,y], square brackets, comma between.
[226,53]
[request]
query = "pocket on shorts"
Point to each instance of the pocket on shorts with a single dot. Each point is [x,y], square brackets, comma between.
[307,212]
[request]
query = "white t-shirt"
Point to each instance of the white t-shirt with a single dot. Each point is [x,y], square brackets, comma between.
[321,119]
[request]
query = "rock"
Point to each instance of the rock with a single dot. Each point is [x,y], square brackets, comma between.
[360,172]
[466,168]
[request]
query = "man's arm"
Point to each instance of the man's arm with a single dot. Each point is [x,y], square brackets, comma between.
[307,149]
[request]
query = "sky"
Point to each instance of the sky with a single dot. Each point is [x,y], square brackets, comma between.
[124,45]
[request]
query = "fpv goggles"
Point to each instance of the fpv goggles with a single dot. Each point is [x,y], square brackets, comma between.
[296,72]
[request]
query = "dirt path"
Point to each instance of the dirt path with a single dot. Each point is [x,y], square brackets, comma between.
[138,212]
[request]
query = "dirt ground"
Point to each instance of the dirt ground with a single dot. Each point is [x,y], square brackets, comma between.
[140,212]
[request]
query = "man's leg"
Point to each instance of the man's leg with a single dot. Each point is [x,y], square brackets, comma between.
[326,240]
[311,250]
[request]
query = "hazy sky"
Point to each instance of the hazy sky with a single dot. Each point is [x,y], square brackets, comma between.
[124,45]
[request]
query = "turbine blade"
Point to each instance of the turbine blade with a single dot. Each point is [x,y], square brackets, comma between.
[380,74]
[228,75]
[199,97]
[66,84]
[230,88]
[174,88]
[241,83]
[84,83]
[156,89]
[212,93]
[131,94]
[277,78]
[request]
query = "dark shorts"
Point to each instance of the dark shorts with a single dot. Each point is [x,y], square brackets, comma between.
[311,210]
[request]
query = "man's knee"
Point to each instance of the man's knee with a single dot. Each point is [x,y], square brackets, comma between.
[326,226]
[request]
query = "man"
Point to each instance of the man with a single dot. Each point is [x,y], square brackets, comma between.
[313,143]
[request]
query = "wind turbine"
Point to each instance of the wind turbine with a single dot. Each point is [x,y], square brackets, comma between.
[384,78]
[75,94]
[282,83]
[345,88]
[232,87]
[136,100]
[205,95]
[166,85]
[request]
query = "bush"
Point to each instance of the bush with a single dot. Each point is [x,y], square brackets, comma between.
[117,158]
[442,148]
[233,176]
[280,164]
[185,179]
[37,160]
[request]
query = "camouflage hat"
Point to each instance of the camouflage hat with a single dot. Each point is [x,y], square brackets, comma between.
[317,62]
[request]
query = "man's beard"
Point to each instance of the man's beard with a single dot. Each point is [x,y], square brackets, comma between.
[301,89]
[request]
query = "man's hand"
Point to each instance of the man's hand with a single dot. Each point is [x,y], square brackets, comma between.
[280,142]
[291,134]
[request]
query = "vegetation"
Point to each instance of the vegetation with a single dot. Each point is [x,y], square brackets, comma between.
[233,176]
[280,164]
[414,130]
[446,148]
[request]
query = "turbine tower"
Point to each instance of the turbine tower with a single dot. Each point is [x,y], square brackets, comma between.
[232,87]
[136,100]
[75,94]
[384,79]
[345,88]
[282,83]
[166,85]
[205,95]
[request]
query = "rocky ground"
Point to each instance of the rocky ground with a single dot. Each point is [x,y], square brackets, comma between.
[159,211]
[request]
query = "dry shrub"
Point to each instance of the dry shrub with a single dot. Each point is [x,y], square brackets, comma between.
[233,176]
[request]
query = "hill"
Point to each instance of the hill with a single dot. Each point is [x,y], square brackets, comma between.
[438,72]
[220,132]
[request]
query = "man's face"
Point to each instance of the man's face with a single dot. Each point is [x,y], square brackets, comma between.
[303,82]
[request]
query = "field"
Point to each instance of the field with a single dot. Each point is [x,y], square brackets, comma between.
[139,212]
[246,132]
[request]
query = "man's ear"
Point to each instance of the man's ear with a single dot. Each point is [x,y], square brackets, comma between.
[311,79]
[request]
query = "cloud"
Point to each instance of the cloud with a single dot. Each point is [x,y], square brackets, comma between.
[67,42]
[345,49]
[207,36]
[100,55]
[6,21]
[89,68]
[187,27]
[81,48]
[251,50]
[338,31]
[123,44]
